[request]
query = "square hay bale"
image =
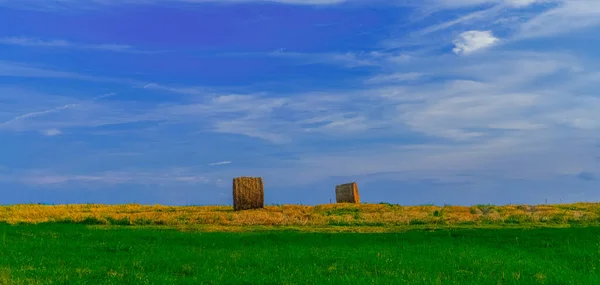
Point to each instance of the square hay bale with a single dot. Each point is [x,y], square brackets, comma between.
[248,193]
[347,193]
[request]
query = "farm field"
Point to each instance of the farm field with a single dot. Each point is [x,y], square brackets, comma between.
[292,244]
[79,254]
[328,217]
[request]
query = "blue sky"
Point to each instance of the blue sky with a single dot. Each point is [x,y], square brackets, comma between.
[429,101]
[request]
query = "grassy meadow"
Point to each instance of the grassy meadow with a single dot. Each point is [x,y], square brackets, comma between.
[79,254]
[290,244]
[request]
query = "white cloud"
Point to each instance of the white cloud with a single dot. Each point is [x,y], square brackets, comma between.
[52,132]
[472,41]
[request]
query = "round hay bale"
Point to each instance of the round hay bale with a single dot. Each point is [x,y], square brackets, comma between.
[347,193]
[248,193]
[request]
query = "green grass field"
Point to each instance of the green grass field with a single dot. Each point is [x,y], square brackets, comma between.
[79,254]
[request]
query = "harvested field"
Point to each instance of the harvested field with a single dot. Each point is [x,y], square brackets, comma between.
[355,217]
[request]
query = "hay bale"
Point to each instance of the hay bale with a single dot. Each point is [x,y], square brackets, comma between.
[248,193]
[347,193]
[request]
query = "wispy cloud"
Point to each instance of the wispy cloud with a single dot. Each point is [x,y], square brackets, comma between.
[180,90]
[559,17]
[21,41]
[253,127]
[569,16]
[489,111]
[16,69]
[508,116]
[467,3]
[36,114]
[395,77]
[586,176]
[52,132]
[107,178]
[347,59]
[69,4]
[391,106]
[496,158]
[104,96]
[64,4]
[525,3]
[32,111]
[53,43]
[220,163]
[465,19]
[513,19]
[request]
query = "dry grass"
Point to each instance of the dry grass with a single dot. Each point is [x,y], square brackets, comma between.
[347,193]
[248,193]
[5,276]
[305,217]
